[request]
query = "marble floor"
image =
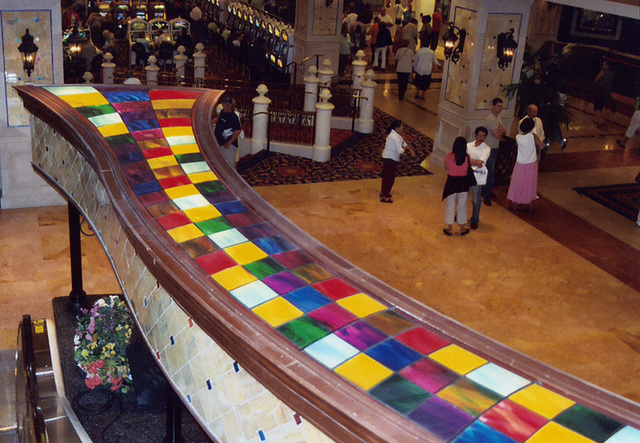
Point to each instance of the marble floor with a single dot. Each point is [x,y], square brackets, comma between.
[561,285]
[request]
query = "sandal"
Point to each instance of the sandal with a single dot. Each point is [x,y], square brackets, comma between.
[464,231]
[386,200]
[448,232]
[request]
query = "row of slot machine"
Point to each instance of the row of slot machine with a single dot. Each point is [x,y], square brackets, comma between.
[255,23]
[139,29]
[142,10]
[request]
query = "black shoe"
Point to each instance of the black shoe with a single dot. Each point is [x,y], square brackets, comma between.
[563,144]
[473,225]
[487,201]
[447,232]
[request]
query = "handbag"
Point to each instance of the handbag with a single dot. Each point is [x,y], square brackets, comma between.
[471,177]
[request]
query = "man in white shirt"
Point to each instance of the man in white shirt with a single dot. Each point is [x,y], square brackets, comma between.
[532,113]
[496,131]
[478,152]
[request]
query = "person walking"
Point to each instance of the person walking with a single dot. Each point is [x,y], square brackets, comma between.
[478,152]
[456,188]
[524,180]
[394,147]
[227,130]
[496,131]
[404,61]
[436,26]
[423,63]
[383,41]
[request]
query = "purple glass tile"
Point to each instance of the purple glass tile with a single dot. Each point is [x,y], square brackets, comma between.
[132,106]
[361,335]
[429,375]
[219,197]
[243,219]
[283,282]
[441,418]
[124,148]
[147,135]
[333,316]
[138,115]
[253,232]
[292,259]
[142,177]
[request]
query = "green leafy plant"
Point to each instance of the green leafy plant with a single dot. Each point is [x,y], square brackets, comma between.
[100,343]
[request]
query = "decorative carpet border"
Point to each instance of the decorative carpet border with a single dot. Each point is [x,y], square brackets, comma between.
[623,199]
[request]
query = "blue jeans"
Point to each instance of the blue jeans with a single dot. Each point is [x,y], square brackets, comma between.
[491,170]
[476,202]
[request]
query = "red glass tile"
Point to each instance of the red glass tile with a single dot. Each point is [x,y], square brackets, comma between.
[513,420]
[172,182]
[158,152]
[291,259]
[335,289]
[174,220]
[174,122]
[243,219]
[215,262]
[148,135]
[169,94]
[153,198]
[333,316]
[421,340]
[429,375]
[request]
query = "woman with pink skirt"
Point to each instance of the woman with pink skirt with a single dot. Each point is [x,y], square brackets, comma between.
[524,180]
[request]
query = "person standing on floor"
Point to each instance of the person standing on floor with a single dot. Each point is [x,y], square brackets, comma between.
[633,130]
[373,36]
[456,188]
[404,61]
[383,41]
[425,32]
[345,49]
[436,26]
[227,130]
[393,149]
[478,152]
[524,180]
[423,63]
[532,113]
[496,131]
[602,92]
[410,33]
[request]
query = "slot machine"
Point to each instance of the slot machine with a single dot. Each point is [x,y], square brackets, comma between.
[177,25]
[105,8]
[122,10]
[141,10]
[162,25]
[285,56]
[138,32]
[159,10]
[271,42]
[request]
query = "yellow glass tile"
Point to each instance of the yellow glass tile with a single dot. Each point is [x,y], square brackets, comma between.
[173,131]
[115,129]
[457,359]
[554,433]
[184,233]
[185,149]
[173,104]
[361,305]
[201,177]
[162,162]
[364,371]
[542,401]
[245,253]
[202,213]
[170,171]
[232,278]
[181,191]
[277,312]
[80,100]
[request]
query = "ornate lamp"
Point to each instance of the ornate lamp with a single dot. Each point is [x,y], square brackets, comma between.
[28,51]
[451,49]
[76,41]
[507,47]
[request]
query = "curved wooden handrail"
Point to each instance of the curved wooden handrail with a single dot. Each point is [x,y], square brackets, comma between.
[339,408]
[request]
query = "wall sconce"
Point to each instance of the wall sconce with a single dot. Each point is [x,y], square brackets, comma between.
[507,47]
[76,41]
[28,51]
[450,48]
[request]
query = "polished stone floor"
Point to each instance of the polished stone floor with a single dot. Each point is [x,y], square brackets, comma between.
[561,285]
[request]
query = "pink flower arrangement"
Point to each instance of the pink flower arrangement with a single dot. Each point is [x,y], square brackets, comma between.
[100,343]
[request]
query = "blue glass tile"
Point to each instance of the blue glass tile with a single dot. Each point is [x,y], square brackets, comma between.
[626,435]
[220,197]
[126,96]
[361,335]
[209,386]
[498,379]
[137,115]
[124,148]
[146,188]
[261,230]
[131,157]
[261,435]
[307,299]
[254,294]
[230,237]
[273,245]
[142,125]
[441,418]
[393,354]
[284,282]
[331,351]
[233,207]
[480,433]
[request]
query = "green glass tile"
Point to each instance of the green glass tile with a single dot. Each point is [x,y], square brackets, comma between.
[390,323]
[198,246]
[264,268]
[588,422]
[92,111]
[303,331]
[312,273]
[117,140]
[189,158]
[214,225]
[400,394]
[212,186]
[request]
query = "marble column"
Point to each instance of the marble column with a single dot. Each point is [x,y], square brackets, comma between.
[152,70]
[469,86]
[311,82]
[358,67]
[180,61]
[199,62]
[260,120]
[326,73]
[107,69]
[322,147]
[364,124]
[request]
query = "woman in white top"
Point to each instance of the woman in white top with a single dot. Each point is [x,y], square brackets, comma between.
[524,180]
[393,148]
[404,60]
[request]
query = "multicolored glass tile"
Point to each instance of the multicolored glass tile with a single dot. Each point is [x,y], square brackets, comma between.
[442,386]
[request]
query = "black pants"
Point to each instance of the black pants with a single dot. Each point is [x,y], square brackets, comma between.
[389,168]
[403,82]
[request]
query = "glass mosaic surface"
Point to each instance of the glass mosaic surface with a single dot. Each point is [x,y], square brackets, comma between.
[442,386]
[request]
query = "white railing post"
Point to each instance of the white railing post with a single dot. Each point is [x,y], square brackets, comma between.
[107,69]
[365,122]
[180,61]
[152,70]
[357,69]
[325,74]
[311,89]
[322,147]
[260,120]
[198,61]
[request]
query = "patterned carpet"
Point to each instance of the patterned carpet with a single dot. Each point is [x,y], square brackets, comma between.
[623,199]
[359,158]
